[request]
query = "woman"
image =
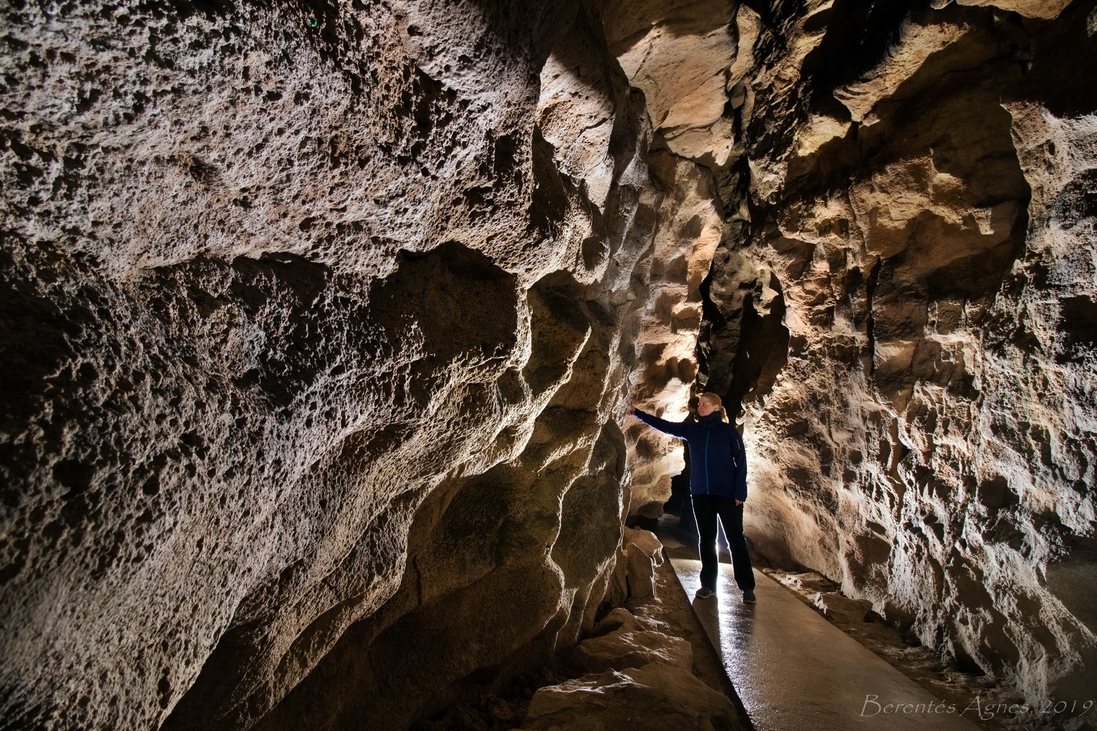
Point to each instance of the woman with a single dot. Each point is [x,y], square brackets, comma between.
[718,486]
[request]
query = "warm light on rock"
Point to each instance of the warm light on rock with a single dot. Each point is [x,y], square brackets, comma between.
[319,325]
[920,439]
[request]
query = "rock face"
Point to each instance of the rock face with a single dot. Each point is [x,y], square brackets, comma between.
[903,305]
[311,343]
[317,325]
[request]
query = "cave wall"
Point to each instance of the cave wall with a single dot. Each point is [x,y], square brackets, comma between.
[678,56]
[316,320]
[319,319]
[903,307]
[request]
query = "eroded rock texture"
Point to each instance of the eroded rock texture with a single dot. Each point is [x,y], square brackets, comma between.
[903,306]
[311,338]
[318,320]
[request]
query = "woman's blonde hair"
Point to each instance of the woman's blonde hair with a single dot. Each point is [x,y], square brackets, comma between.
[715,401]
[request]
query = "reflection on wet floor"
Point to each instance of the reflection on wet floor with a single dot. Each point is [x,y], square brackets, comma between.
[793,670]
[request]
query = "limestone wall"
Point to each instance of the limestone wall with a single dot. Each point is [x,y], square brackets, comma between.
[311,349]
[318,321]
[906,298]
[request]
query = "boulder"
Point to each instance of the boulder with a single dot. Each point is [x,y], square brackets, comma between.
[616,619]
[624,649]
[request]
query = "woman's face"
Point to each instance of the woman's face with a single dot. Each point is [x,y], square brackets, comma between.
[704,407]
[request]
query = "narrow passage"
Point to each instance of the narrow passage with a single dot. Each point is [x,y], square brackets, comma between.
[794,671]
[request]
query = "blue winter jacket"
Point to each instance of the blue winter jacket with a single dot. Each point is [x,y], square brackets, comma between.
[718,460]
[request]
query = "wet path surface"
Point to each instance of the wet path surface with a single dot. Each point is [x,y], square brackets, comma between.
[794,671]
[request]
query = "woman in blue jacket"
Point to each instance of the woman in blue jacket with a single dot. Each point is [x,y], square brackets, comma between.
[718,486]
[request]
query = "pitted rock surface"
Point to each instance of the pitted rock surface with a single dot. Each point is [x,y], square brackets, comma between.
[902,307]
[311,344]
[318,323]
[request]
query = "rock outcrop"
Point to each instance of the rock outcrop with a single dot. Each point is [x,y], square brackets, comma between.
[637,675]
[658,696]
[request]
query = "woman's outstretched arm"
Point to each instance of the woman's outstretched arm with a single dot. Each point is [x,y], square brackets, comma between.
[673,428]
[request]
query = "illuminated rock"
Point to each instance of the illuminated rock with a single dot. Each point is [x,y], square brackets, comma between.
[619,643]
[657,696]
[643,553]
[905,314]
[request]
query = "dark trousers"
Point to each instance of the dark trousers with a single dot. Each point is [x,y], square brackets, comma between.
[706,508]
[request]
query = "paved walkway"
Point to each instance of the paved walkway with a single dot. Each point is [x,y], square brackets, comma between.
[794,671]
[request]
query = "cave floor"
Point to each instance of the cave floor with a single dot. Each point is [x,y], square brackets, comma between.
[794,670]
